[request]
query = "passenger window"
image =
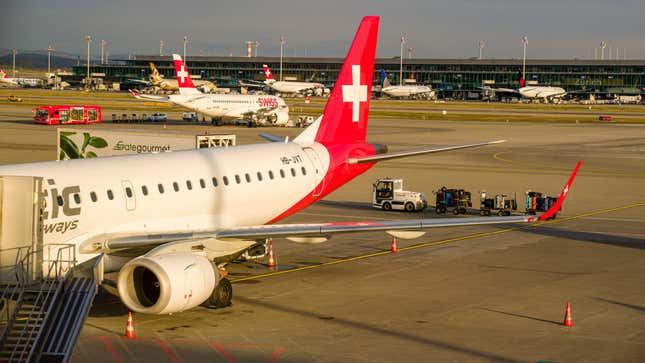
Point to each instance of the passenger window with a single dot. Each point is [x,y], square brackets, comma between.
[128,192]
[271,174]
[304,171]
[160,187]
[293,172]
[259,176]
[237,179]
[93,196]
[189,185]
[247,177]
[144,190]
[282,173]
[59,200]
[215,181]
[77,198]
[202,183]
[225,180]
[175,186]
[110,194]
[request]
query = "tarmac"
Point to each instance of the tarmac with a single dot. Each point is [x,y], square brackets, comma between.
[475,294]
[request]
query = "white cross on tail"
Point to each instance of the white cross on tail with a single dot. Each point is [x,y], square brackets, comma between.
[182,74]
[355,93]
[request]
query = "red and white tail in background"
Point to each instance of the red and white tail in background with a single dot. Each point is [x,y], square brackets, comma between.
[3,74]
[267,74]
[344,120]
[184,82]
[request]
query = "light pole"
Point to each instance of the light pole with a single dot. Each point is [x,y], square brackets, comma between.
[603,45]
[13,52]
[401,60]
[482,44]
[49,59]
[89,41]
[525,41]
[102,51]
[161,48]
[282,42]
[257,44]
[185,41]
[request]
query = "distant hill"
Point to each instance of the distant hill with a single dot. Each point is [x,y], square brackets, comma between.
[37,59]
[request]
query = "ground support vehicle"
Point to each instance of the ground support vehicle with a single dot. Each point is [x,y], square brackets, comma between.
[536,202]
[503,204]
[13,98]
[388,194]
[457,200]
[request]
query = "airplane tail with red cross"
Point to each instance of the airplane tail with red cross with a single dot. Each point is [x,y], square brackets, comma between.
[184,82]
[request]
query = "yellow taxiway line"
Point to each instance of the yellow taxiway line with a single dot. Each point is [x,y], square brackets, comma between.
[434,243]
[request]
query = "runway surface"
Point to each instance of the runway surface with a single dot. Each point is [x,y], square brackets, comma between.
[477,294]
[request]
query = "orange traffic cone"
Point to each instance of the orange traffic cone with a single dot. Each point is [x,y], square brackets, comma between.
[394,248]
[271,259]
[129,328]
[568,320]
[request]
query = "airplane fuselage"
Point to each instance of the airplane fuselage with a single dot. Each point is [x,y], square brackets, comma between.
[406,91]
[234,106]
[205,189]
[542,92]
[294,87]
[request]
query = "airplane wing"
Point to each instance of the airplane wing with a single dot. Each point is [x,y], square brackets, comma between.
[155,98]
[402,154]
[319,232]
[272,138]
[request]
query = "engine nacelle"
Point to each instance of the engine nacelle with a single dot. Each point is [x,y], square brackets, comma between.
[166,283]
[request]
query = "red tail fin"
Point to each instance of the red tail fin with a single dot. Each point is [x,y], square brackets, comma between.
[184,82]
[344,120]
[267,73]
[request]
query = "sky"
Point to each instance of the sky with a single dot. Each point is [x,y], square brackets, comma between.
[560,29]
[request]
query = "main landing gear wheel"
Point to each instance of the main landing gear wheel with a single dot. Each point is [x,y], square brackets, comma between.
[222,294]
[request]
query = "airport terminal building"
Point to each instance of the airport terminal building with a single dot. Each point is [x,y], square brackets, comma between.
[454,78]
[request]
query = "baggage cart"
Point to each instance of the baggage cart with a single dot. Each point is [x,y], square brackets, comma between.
[456,200]
[503,204]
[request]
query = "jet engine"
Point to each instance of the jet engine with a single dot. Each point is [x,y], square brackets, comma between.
[166,283]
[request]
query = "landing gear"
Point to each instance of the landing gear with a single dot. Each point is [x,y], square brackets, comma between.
[222,295]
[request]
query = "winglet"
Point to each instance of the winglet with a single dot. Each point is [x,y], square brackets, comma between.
[558,204]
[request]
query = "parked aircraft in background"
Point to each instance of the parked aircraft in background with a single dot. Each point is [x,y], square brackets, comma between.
[290,87]
[19,82]
[256,110]
[405,91]
[170,222]
[544,93]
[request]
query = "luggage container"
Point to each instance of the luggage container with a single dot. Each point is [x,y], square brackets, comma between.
[537,202]
[67,115]
[503,203]
[456,200]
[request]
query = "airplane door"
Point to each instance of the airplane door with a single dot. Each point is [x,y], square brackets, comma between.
[128,193]
[318,170]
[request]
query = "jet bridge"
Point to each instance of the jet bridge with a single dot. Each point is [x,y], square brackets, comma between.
[44,297]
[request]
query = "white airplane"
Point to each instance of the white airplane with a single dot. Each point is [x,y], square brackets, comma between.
[291,87]
[405,91]
[545,93]
[548,94]
[170,222]
[264,110]
[22,82]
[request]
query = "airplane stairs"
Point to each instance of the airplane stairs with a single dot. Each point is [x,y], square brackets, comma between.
[43,320]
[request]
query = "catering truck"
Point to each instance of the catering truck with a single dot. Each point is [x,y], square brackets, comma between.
[81,143]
